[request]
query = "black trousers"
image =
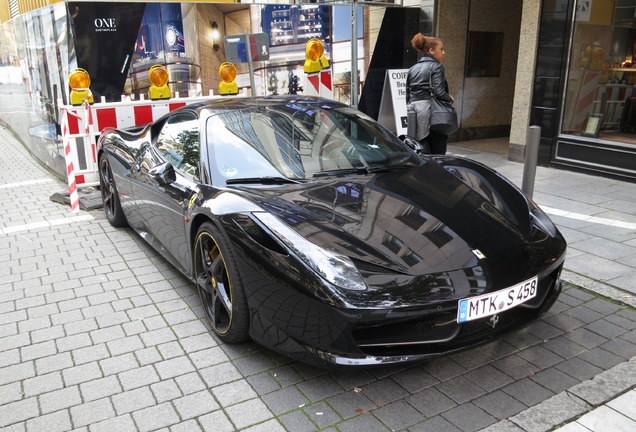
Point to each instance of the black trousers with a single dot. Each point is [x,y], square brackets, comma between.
[437,142]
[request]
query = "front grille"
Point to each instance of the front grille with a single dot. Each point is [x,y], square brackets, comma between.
[404,330]
[387,340]
[440,329]
[442,334]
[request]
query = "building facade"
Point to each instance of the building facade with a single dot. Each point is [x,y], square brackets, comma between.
[584,86]
[564,65]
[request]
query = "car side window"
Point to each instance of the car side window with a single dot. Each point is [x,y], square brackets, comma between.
[178,142]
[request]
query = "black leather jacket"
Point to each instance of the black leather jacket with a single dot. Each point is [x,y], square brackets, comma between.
[417,80]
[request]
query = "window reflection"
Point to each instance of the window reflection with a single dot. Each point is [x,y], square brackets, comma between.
[178,142]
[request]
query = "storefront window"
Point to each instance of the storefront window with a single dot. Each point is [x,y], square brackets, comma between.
[161,40]
[290,27]
[34,67]
[602,73]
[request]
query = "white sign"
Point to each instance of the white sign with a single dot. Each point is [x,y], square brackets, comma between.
[393,104]
[583,10]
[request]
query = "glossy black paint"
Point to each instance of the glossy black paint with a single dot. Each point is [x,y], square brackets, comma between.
[411,232]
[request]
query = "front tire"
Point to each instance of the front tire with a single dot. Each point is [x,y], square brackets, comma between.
[110,196]
[219,284]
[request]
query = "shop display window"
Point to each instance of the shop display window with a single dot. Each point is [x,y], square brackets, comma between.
[161,40]
[600,100]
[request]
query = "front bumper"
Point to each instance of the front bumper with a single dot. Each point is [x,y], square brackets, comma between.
[316,333]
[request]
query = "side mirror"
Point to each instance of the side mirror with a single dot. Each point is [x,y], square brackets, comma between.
[415,145]
[163,174]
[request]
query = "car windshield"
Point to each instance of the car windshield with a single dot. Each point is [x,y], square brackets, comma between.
[298,140]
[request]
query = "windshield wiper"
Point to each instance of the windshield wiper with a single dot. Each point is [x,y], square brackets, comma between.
[384,168]
[342,171]
[365,169]
[261,180]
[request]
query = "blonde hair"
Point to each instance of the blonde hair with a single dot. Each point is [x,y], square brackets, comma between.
[424,43]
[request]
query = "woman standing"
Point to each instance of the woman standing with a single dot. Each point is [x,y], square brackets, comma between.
[427,76]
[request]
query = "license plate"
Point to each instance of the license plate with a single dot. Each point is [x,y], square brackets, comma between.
[493,303]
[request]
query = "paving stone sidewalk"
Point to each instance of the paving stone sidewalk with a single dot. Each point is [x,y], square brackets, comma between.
[99,333]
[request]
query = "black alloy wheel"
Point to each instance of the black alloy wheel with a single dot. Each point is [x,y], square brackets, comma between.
[110,196]
[219,285]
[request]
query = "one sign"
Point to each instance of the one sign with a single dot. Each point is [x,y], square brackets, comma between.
[393,104]
[237,49]
[108,66]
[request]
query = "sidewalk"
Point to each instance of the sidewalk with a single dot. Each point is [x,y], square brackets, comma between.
[99,333]
[597,216]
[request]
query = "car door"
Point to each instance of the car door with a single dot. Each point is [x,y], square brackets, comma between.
[165,178]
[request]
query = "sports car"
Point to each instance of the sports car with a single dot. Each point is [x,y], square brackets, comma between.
[313,230]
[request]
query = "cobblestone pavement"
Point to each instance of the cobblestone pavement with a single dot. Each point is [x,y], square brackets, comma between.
[99,333]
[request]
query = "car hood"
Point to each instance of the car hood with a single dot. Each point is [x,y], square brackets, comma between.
[416,221]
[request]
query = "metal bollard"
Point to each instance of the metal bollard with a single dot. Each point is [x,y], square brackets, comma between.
[530,160]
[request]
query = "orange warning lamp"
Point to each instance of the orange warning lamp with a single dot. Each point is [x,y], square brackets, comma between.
[227,72]
[315,56]
[158,83]
[80,82]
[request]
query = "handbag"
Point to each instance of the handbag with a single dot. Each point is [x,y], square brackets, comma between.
[443,114]
[411,121]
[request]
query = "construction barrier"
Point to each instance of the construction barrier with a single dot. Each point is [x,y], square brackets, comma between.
[82,125]
[319,84]
[70,155]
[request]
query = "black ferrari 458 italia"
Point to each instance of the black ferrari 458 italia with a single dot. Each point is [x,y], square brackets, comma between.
[313,230]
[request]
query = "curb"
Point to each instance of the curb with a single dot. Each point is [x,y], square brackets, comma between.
[599,288]
[571,404]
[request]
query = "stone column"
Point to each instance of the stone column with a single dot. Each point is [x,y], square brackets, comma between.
[524,83]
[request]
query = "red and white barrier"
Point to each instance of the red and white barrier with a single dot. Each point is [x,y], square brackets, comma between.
[319,84]
[81,126]
[70,159]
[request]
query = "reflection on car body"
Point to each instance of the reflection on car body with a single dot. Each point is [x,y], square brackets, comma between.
[316,232]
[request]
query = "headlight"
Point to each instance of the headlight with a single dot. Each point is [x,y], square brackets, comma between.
[334,268]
